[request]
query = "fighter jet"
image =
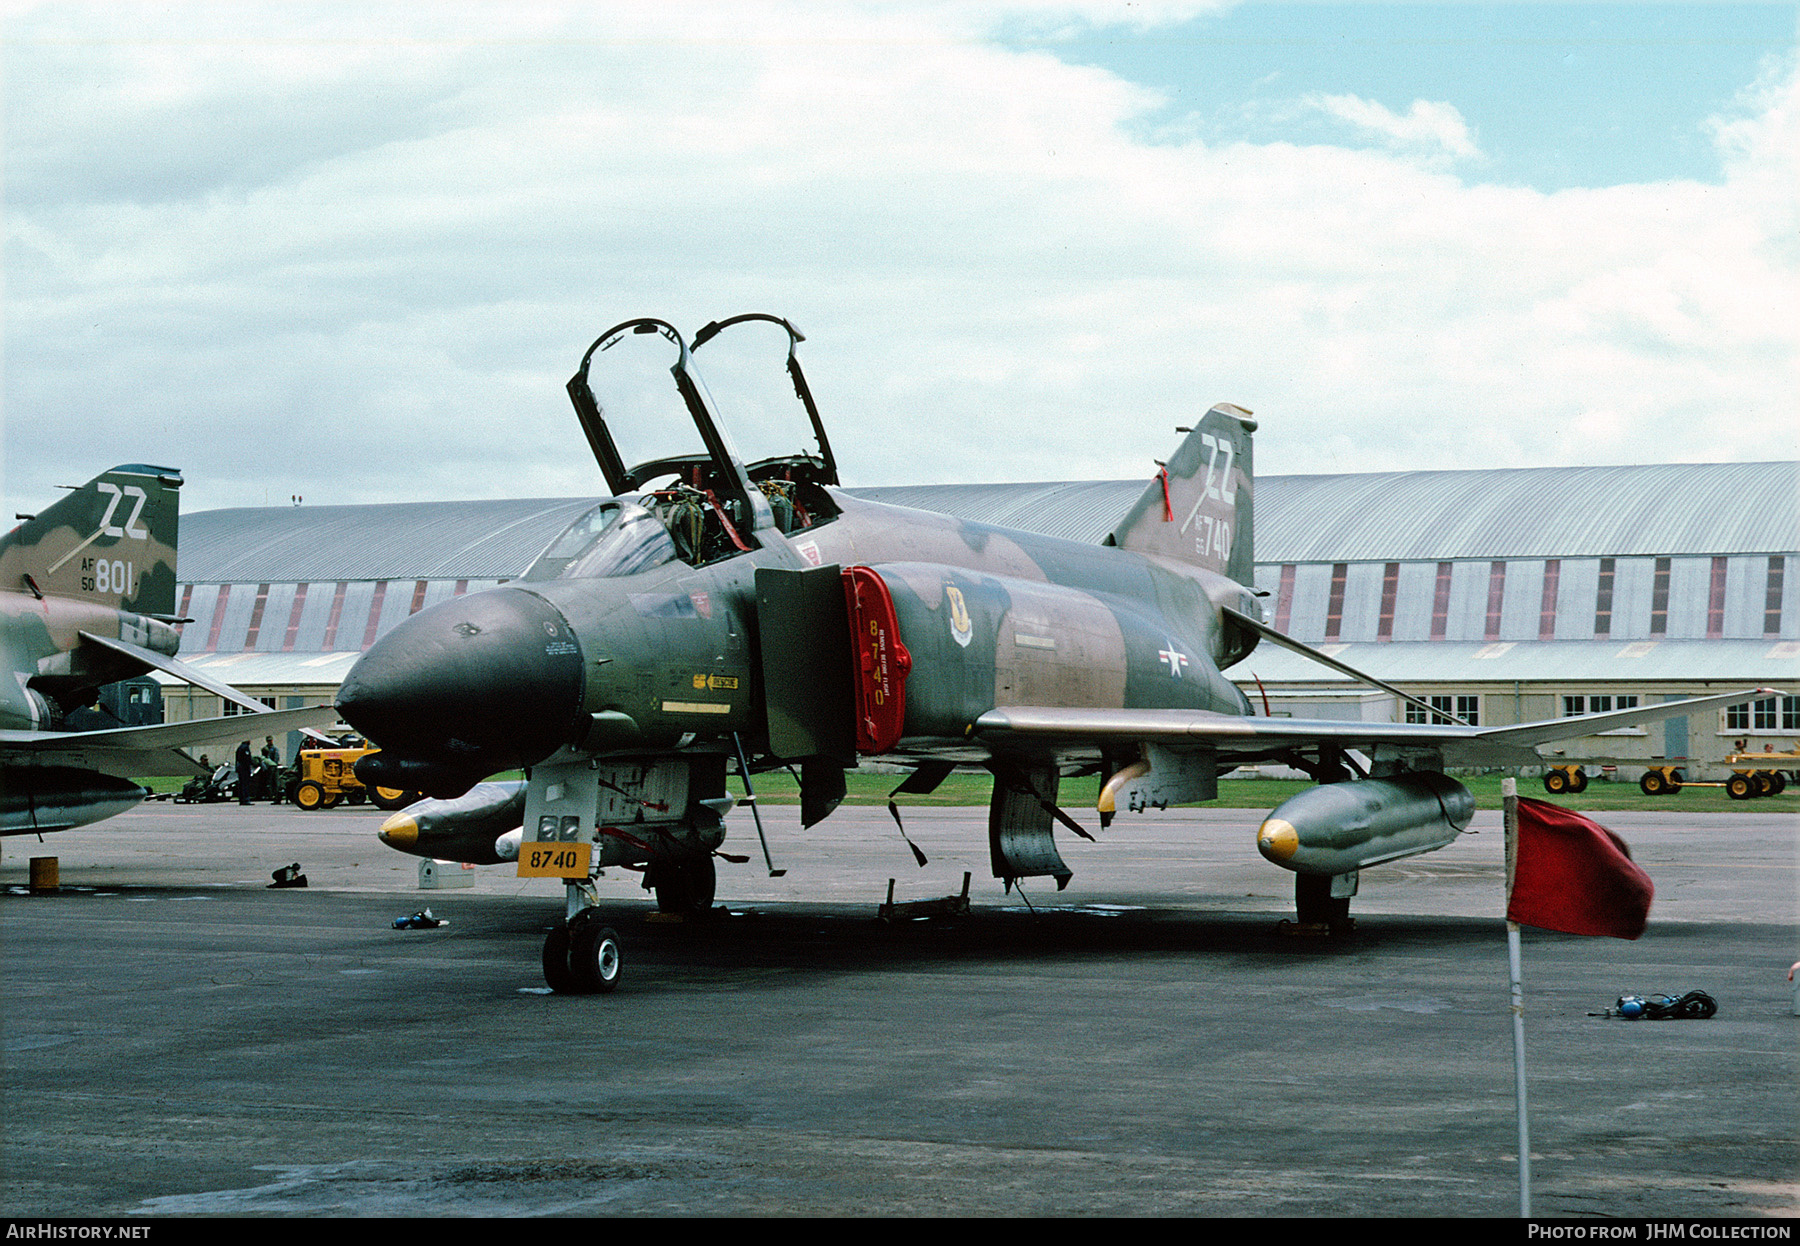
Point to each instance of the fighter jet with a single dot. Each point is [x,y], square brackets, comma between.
[87,598]
[720,613]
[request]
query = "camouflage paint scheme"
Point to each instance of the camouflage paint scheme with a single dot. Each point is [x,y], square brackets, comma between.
[89,599]
[101,560]
[708,623]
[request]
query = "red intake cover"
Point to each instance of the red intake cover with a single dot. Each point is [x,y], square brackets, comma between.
[882,662]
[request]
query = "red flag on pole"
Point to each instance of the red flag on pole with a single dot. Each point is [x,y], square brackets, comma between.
[1574,875]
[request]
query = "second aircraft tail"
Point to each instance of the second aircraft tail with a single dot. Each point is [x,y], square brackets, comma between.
[112,541]
[1198,507]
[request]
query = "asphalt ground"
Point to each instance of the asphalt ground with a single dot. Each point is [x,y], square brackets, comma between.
[182,1041]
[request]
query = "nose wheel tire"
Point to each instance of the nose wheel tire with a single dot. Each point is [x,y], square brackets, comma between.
[594,959]
[582,957]
[556,961]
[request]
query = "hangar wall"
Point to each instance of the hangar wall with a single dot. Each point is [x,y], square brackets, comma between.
[1506,594]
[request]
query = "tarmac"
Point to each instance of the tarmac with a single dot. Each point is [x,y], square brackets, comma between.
[181,1040]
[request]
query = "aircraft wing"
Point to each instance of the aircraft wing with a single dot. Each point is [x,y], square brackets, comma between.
[129,752]
[1073,732]
[182,671]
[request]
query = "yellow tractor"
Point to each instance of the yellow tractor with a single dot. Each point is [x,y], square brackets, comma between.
[326,777]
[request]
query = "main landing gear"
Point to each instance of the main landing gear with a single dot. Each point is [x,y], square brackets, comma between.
[1322,904]
[684,884]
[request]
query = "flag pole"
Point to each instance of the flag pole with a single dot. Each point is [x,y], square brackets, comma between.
[1509,805]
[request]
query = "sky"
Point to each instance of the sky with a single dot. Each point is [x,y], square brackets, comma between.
[351,252]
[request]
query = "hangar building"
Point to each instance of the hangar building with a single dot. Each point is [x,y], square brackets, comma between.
[1498,596]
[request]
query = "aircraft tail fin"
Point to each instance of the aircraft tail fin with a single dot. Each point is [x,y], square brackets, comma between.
[1198,506]
[112,542]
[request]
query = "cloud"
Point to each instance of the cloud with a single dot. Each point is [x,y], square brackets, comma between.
[354,253]
[1432,128]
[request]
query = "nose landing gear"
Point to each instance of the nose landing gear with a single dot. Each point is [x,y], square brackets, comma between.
[582,956]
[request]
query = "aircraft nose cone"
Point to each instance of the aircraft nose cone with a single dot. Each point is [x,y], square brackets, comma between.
[482,683]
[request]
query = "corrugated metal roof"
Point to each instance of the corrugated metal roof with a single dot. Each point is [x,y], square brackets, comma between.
[1545,512]
[1554,512]
[391,541]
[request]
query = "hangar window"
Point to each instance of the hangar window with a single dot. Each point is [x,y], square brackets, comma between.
[1603,597]
[1390,592]
[1597,703]
[1440,603]
[1467,708]
[233,709]
[1715,599]
[1770,714]
[1772,598]
[1603,703]
[1659,598]
[1334,610]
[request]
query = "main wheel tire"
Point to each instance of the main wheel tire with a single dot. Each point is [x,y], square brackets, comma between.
[388,799]
[1739,787]
[686,887]
[1780,780]
[595,961]
[1556,782]
[1314,905]
[1578,781]
[1653,783]
[556,961]
[1765,783]
[309,796]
